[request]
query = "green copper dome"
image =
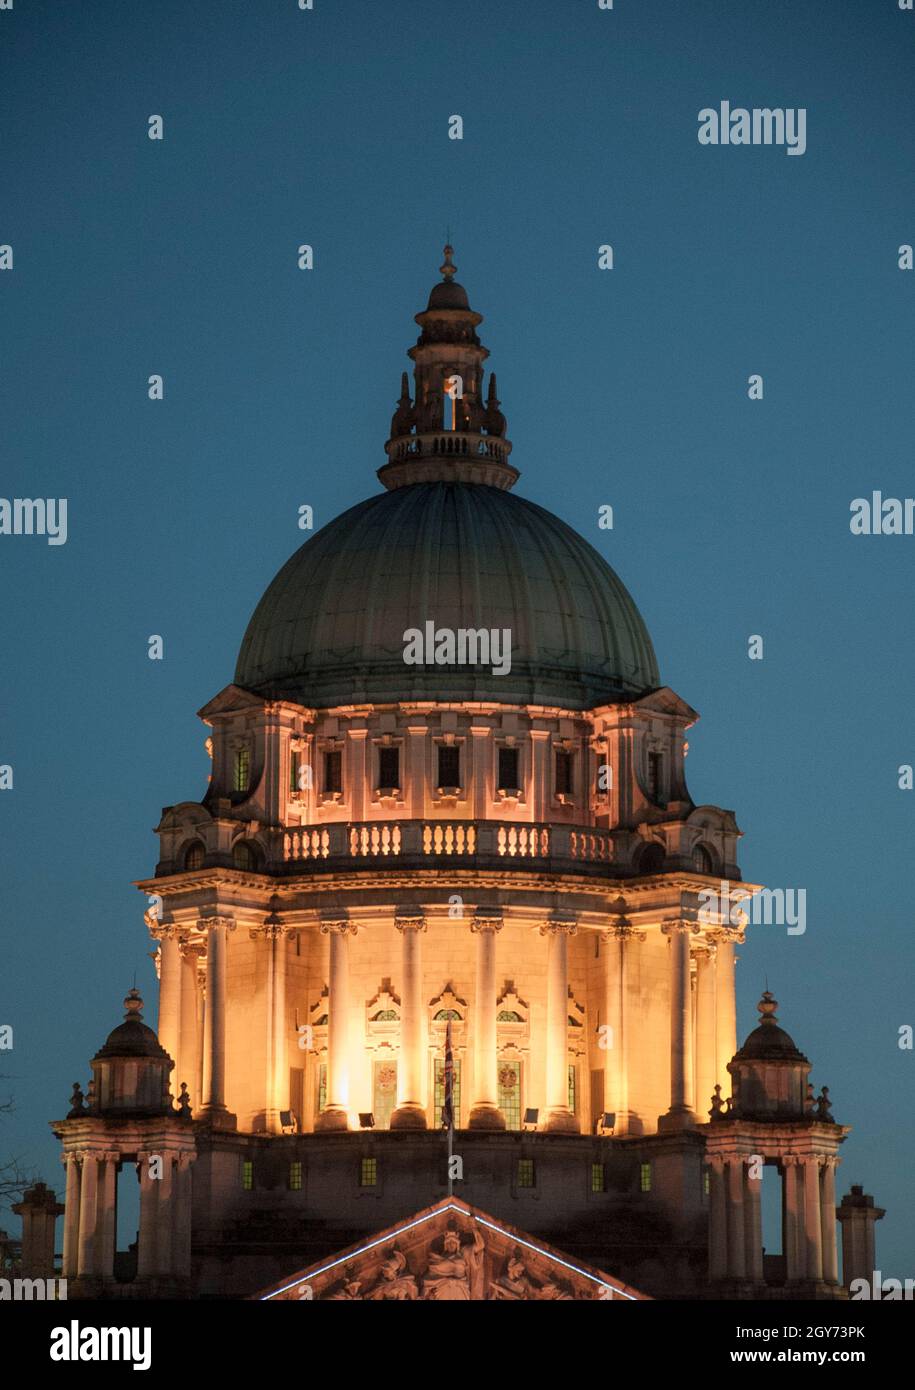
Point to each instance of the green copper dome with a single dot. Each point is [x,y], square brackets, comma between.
[330,628]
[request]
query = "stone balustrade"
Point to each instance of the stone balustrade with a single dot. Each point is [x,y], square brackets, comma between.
[376,841]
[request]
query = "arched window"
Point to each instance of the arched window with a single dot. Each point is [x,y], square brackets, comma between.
[652,860]
[384,1016]
[444,1015]
[194,855]
[702,860]
[243,855]
[508,1016]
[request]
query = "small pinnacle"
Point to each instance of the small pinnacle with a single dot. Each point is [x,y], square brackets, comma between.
[448,270]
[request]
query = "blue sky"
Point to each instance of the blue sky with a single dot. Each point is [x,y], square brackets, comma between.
[626,387]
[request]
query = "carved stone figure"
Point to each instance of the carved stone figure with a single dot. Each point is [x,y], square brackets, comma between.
[393,1285]
[456,1272]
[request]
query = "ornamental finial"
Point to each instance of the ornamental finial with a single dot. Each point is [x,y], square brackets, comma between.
[449,269]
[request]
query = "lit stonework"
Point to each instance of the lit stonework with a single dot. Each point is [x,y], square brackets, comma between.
[389,855]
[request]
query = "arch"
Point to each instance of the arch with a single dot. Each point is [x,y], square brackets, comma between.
[194,855]
[702,859]
[244,855]
[444,1015]
[651,859]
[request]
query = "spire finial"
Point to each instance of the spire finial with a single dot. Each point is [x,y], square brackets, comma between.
[767,1006]
[449,269]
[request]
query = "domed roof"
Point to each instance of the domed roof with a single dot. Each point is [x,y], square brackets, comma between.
[330,628]
[448,294]
[132,1038]
[768,1042]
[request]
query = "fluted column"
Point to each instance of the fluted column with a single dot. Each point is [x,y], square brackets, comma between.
[165,1217]
[277,1076]
[725,1004]
[169,992]
[411,1091]
[680,1114]
[828,1217]
[559,1117]
[71,1215]
[88,1218]
[813,1229]
[149,1218]
[485,1112]
[182,1217]
[107,1215]
[618,944]
[752,1209]
[791,1219]
[718,1220]
[214,1103]
[188,1048]
[335,1115]
[736,1237]
[706,1030]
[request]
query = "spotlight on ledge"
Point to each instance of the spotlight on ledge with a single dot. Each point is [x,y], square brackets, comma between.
[366,1120]
[531,1118]
[288,1122]
[607,1123]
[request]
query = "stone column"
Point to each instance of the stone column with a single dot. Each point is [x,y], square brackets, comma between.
[71,1215]
[203,1080]
[828,1218]
[188,1050]
[559,1118]
[108,1215]
[335,1115]
[358,772]
[165,1216]
[541,780]
[680,1115]
[169,993]
[858,1217]
[813,1230]
[277,1078]
[411,1091]
[718,1220]
[416,752]
[725,1005]
[88,1216]
[182,1212]
[214,1101]
[706,1030]
[618,941]
[736,1237]
[485,1112]
[791,1219]
[752,1207]
[481,751]
[147,1254]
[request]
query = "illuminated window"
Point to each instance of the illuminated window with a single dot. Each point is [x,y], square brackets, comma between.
[449,765]
[525,1172]
[368,1172]
[439,1091]
[443,1016]
[573,1089]
[384,1016]
[705,1182]
[247,1175]
[508,770]
[193,858]
[242,769]
[384,1092]
[508,1016]
[388,769]
[644,1177]
[598,1177]
[563,773]
[321,1098]
[510,1093]
[333,770]
[295,1177]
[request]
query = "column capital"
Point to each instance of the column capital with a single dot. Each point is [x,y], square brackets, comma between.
[791,1160]
[486,919]
[557,926]
[409,921]
[716,1162]
[671,926]
[215,920]
[341,925]
[622,931]
[164,931]
[725,936]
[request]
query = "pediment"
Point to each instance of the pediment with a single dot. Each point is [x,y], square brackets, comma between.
[450,1252]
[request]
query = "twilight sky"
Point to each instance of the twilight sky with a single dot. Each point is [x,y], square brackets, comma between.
[627,387]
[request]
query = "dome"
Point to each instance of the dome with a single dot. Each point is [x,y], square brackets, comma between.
[448,295]
[330,628]
[132,1038]
[768,1042]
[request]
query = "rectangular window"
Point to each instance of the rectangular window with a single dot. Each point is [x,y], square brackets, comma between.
[705,1182]
[598,1177]
[295,1177]
[242,769]
[247,1175]
[508,770]
[438,1092]
[384,1092]
[644,1177]
[563,773]
[333,770]
[293,772]
[525,1172]
[321,1097]
[449,765]
[573,1090]
[388,769]
[510,1093]
[368,1172]
[654,776]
